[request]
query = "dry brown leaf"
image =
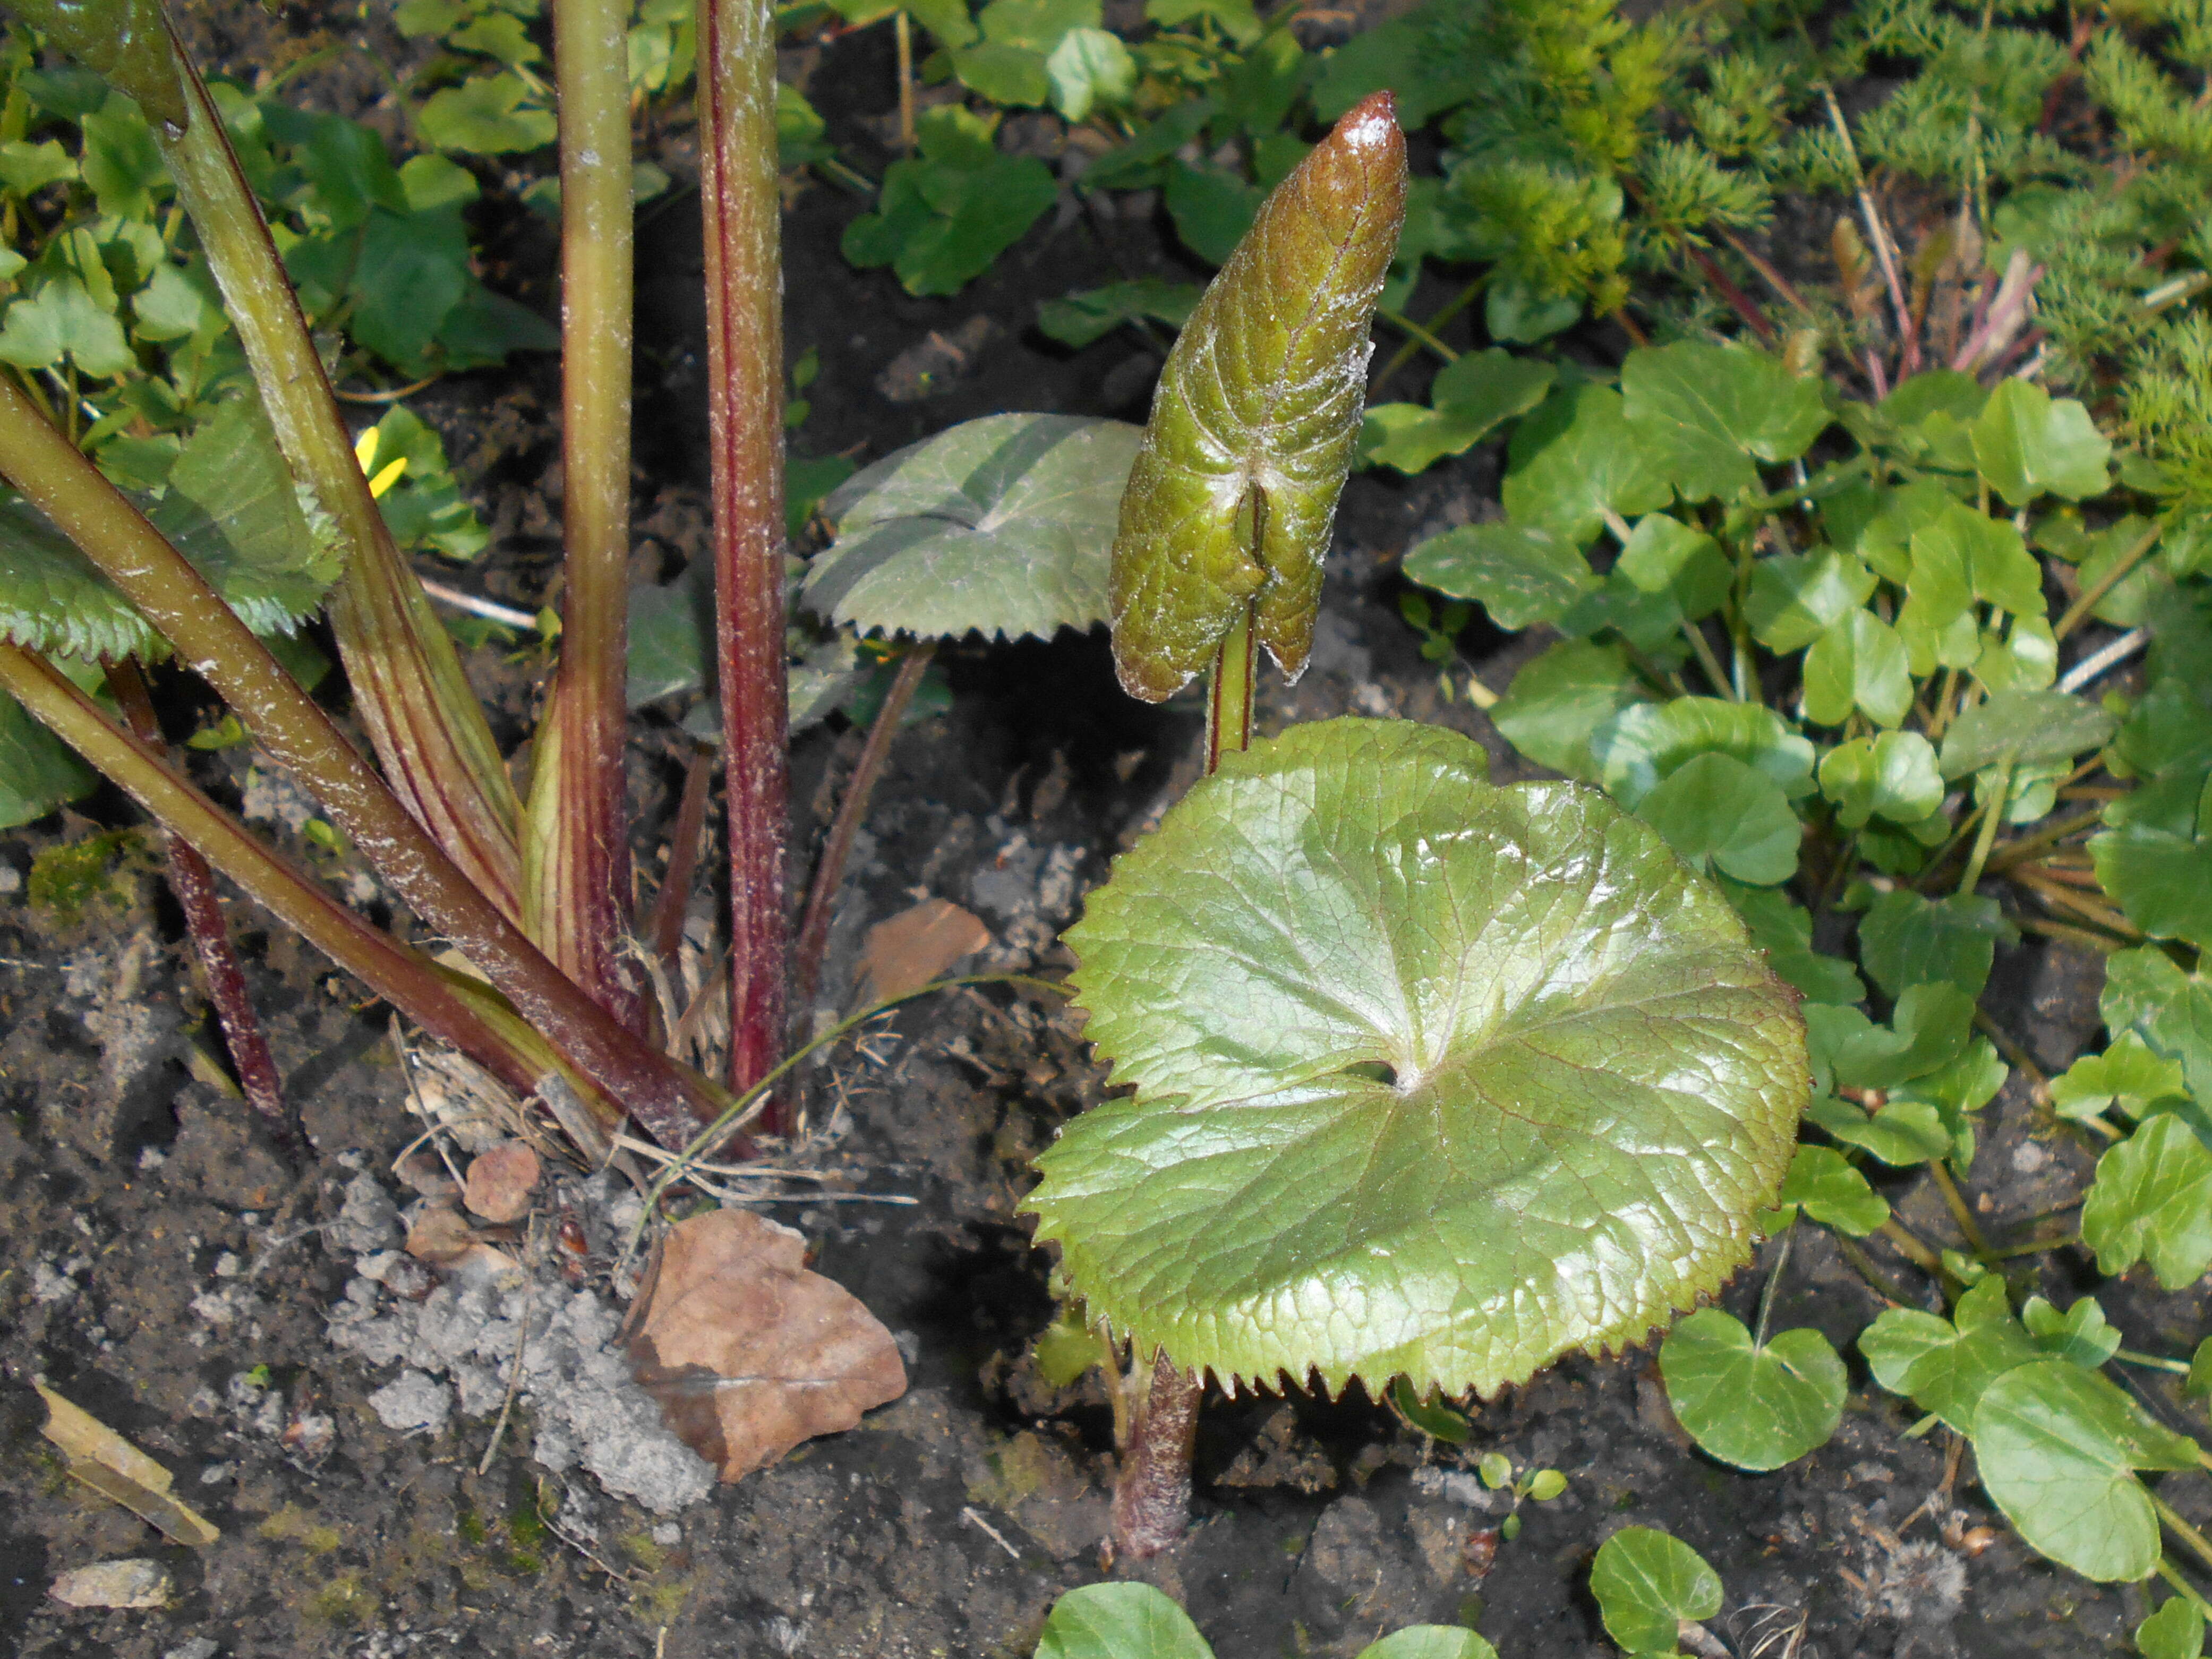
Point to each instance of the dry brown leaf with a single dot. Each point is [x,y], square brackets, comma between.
[747,1351]
[502,1181]
[118,1470]
[441,1235]
[904,952]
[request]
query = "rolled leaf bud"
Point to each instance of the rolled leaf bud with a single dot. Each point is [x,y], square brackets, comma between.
[1256,418]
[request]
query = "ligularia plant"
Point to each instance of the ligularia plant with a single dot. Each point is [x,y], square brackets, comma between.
[1430,1078]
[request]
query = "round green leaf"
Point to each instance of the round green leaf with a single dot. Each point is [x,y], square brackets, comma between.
[1647,741]
[1558,699]
[1860,663]
[1001,525]
[2176,1631]
[2028,442]
[1520,574]
[1432,1641]
[1756,1407]
[1575,459]
[2059,1448]
[1119,1621]
[1714,807]
[2162,880]
[2152,1199]
[1892,775]
[2028,725]
[1822,1182]
[1646,1583]
[1433,1077]
[1710,411]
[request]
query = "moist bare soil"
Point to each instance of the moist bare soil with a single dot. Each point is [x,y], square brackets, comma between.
[168,1267]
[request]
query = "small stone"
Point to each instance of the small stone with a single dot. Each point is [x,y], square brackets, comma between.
[500,1181]
[668,1535]
[136,1582]
[413,1403]
[200,1647]
[367,1221]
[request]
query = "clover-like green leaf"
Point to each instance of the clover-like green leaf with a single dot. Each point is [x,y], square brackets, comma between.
[1709,411]
[1646,1583]
[1645,743]
[487,115]
[1558,699]
[2029,443]
[230,508]
[1795,599]
[2129,1074]
[2176,1631]
[1470,398]
[2058,1447]
[2027,726]
[1906,939]
[1823,1184]
[1520,574]
[1756,1406]
[1905,1132]
[1944,1366]
[1860,664]
[1434,1077]
[1928,1029]
[1893,775]
[1713,807]
[2151,1201]
[1002,525]
[1784,932]
[1577,459]
[2082,1334]
[1253,428]
[1663,555]
[1119,1621]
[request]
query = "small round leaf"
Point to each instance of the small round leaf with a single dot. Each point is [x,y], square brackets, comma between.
[1119,1621]
[1756,1407]
[1433,1077]
[1646,1583]
[1429,1641]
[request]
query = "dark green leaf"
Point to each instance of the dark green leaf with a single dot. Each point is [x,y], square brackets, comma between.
[1893,775]
[2129,1074]
[1557,700]
[37,771]
[1234,491]
[1755,1407]
[2029,443]
[1646,1584]
[1429,1641]
[121,162]
[1003,524]
[2151,1201]
[1469,400]
[943,218]
[127,41]
[1784,932]
[1713,807]
[1902,1133]
[1645,742]
[1212,208]
[1092,314]
[2058,1447]
[1520,574]
[1709,412]
[2080,1334]
[1005,74]
[2162,880]
[1119,1621]
[1577,459]
[1906,939]
[1529,946]
[1823,1184]
[2025,727]
[1928,1029]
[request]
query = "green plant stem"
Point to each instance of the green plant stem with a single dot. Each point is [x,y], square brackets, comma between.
[744,375]
[2117,573]
[1912,1249]
[1883,1285]
[576,879]
[423,720]
[1961,1211]
[2004,857]
[394,971]
[2180,1529]
[2181,1587]
[1985,838]
[212,641]
[1229,694]
[1419,335]
[837,845]
[1722,681]
[903,27]
[193,883]
[2155,1361]
[2038,1081]
[1451,308]
[1773,1282]
[2035,1247]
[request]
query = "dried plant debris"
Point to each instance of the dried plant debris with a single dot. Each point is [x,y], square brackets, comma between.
[749,1353]
[104,1460]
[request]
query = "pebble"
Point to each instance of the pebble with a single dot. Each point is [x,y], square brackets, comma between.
[135,1582]
[199,1647]
[413,1402]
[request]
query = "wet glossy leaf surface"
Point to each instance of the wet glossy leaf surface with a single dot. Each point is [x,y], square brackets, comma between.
[1755,1406]
[1594,1080]
[1646,1583]
[1119,1621]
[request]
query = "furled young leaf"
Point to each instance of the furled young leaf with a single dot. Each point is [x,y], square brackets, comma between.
[1593,1079]
[1645,742]
[1081,318]
[1823,1184]
[2058,1447]
[1710,411]
[1470,398]
[1755,1407]
[1119,1621]
[2027,726]
[1002,525]
[1713,807]
[1906,939]
[1557,699]
[1519,573]
[1647,1583]
[2151,1201]
[2029,443]
[1795,599]
[1575,459]
[1893,775]
[231,509]
[1257,413]
[1859,664]
[2128,1074]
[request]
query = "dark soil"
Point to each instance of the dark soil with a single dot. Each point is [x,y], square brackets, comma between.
[167,1270]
